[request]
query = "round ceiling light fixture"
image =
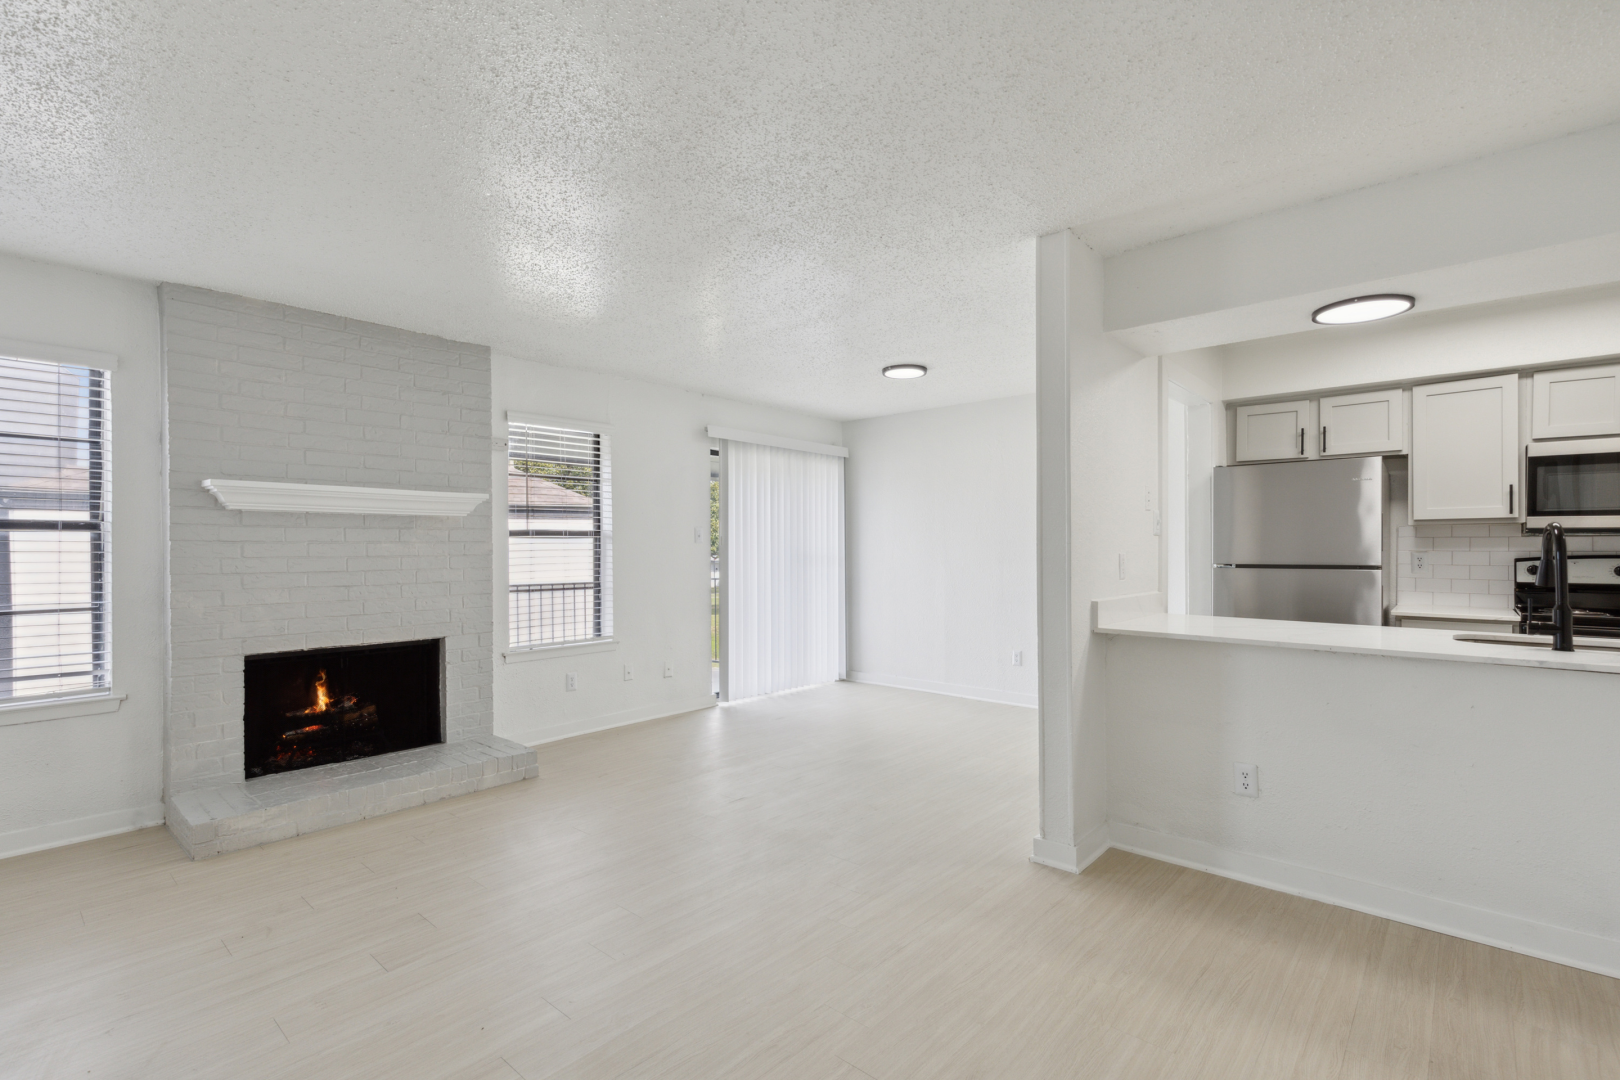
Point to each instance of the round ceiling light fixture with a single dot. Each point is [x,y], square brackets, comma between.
[1363,309]
[904,371]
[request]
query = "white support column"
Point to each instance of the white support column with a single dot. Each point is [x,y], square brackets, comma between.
[1097,452]
[1055,844]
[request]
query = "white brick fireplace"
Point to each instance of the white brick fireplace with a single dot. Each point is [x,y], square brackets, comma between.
[263,392]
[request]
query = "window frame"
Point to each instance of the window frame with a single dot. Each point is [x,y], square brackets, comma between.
[601,533]
[98,369]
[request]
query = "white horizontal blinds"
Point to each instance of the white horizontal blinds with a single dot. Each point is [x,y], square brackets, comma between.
[53,521]
[560,535]
[784,552]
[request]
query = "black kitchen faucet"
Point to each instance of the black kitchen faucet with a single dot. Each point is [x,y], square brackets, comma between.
[1553,573]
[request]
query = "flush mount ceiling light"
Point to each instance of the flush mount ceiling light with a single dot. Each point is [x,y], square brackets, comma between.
[905,371]
[1363,309]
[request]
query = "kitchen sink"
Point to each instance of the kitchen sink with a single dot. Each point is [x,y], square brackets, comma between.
[1539,641]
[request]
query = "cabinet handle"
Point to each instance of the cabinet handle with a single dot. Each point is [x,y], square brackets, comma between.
[1301,442]
[1510,500]
[1324,438]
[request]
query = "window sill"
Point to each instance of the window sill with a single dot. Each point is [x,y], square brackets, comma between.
[543,652]
[62,708]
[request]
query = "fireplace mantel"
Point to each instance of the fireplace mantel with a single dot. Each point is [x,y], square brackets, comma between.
[283,497]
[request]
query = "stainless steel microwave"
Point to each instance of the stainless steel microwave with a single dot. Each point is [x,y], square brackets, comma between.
[1575,482]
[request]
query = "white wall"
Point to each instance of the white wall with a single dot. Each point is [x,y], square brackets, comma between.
[940,506]
[1536,219]
[660,460]
[1509,334]
[74,777]
[1473,799]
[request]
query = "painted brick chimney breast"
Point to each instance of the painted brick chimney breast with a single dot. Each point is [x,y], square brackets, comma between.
[260,391]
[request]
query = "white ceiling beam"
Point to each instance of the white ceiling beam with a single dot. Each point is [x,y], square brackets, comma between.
[1539,219]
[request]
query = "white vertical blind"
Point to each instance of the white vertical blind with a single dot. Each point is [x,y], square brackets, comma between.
[783,550]
[53,520]
[559,535]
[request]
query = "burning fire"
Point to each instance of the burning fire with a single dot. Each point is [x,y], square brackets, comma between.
[322,698]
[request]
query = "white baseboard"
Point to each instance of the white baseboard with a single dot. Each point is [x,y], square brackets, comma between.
[62,833]
[568,729]
[1514,933]
[1072,857]
[977,693]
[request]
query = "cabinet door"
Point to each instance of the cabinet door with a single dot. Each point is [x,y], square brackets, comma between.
[1575,402]
[1370,423]
[1465,449]
[1269,432]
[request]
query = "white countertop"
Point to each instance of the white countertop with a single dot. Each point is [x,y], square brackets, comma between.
[1399,641]
[1484,615]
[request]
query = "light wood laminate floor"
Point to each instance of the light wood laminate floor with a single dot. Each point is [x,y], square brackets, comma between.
[827,885]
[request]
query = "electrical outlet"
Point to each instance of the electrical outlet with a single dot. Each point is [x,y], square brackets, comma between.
[628,674]
[1018,658]
[1245,780]
[669,670]
[571,681]
[1419,560]
[1148,503]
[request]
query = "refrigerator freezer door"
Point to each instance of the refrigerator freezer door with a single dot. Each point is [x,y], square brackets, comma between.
[1335,596]
[1304,513]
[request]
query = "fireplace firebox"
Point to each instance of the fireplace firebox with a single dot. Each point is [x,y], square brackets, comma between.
[322,706]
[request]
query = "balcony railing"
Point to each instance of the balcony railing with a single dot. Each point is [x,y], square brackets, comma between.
[554,613]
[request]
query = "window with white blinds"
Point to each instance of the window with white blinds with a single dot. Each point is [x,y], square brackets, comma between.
[53,529]
[559,535]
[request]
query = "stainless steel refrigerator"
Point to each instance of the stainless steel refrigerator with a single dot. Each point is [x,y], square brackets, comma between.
[1301,540]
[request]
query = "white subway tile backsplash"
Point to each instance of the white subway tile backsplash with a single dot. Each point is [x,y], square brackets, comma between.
[1469,564]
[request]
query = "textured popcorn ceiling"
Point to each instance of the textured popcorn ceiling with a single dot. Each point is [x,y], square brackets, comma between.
[765,200]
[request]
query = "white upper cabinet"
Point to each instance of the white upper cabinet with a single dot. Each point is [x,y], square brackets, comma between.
[1370,423]
[1270,432]
[1465,449]
[1575,402]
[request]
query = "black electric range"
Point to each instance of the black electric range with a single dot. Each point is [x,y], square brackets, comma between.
[1594,593]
